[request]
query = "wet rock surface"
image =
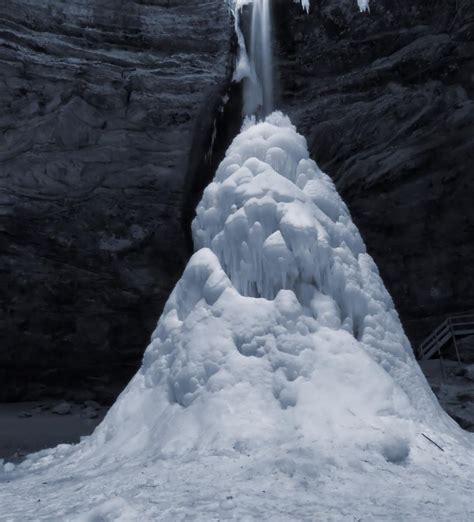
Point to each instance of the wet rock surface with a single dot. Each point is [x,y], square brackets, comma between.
[28,427]
[101,103]
[386,102]
[453,385]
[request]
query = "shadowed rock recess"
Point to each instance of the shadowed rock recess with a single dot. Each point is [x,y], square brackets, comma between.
[103,105]
[386,102]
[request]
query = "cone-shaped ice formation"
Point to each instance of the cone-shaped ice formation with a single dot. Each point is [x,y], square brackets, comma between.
[280,329]
[279,384]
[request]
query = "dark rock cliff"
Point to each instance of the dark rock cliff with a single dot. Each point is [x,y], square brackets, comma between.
[386,102]
[104,108]
[108,113]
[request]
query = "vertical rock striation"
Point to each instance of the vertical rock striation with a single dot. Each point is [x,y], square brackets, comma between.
[100,105]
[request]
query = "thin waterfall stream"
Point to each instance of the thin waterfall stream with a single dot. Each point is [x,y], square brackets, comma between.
[255,63]
[255,66]
[261,54]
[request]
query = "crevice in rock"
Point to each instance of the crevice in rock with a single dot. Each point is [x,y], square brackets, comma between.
[215,129]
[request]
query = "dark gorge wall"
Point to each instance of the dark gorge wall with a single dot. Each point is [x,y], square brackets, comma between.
[100,105]
[386,102]
[112,122]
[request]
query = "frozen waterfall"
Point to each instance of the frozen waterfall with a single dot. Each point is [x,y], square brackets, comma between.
[278,384]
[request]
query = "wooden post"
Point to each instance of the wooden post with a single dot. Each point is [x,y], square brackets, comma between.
[437,343]
[453,335]
[443,369]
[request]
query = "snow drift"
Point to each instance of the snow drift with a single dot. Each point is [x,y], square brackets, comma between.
[279,367]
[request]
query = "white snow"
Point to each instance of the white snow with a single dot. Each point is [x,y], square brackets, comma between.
[304,4]
[278,385]
[363,5]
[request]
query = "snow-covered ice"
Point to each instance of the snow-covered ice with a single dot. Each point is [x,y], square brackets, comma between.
[278,385]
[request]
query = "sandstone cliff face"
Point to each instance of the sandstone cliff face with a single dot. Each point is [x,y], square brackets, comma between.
[103,106]
[386,102]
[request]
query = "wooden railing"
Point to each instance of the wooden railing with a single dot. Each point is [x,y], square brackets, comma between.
[452,328]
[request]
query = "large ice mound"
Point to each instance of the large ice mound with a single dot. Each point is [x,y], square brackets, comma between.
[280,329]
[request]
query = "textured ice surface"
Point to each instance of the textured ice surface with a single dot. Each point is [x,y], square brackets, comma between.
[278,385]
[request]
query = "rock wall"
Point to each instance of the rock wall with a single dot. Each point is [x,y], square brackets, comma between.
[101,103]
[386,102]
[108,112]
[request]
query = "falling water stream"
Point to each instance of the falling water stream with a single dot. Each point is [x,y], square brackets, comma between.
[261,54]
[255,65]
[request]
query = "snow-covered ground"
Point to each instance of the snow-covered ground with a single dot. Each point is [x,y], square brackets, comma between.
[279,384]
